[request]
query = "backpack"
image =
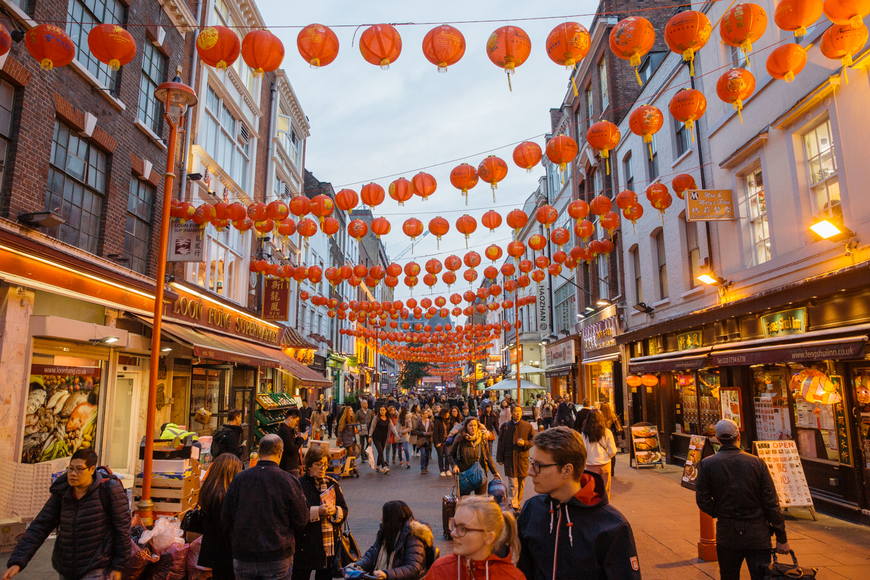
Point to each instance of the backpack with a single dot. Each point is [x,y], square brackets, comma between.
[219,440]
[547,409]
[104,489]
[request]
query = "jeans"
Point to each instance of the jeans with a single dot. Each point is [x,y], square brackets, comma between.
[277,570]
[406,447]
[547,422]
[424,457]
[515,486]
[363,443]
[443,460]
[731,559]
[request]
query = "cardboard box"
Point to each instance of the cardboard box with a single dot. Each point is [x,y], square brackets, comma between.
[11,531]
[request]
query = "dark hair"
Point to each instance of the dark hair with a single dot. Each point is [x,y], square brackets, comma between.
[458,412]
[514,406]
[292,412]
[444,413]
[315,453]
[217,481]
[271,445]
[395,514]
[565,445]
[594,427]
[234,414]
[87,455]
[403,414]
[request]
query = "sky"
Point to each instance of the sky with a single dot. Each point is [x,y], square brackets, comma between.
[368,124]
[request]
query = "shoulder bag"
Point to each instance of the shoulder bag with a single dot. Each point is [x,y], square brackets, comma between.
[193,521]
[346,551]
[472,478]
[777,570]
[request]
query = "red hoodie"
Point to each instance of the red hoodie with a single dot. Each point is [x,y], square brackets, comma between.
[455,567]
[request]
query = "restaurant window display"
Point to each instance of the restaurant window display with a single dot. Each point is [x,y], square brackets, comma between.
[861,381]
[818,410]
[699,408]
[601,379]
[771,404]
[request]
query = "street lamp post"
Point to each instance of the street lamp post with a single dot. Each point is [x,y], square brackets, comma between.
[176,98]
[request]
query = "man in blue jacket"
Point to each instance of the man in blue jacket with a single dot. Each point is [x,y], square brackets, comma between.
[570,531]
[263,509]
[89,509]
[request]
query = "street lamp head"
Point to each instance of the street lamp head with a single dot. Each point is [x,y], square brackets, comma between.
[176,98]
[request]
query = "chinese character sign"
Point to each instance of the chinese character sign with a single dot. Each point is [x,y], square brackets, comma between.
[276,299]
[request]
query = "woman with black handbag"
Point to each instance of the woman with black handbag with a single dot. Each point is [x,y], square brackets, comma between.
[317,543]
[216,551]
[471,458]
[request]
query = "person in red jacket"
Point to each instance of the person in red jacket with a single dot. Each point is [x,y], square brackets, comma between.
[485,543]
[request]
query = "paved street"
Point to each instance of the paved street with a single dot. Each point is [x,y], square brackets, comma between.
[663,516]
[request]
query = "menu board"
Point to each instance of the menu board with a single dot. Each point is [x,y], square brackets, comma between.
[771,421]
[784,464]
[730,406]
[647,450]
[697,452]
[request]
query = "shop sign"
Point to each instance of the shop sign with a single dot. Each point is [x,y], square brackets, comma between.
[705,205]
[495,358]
[185,242]
[560,354]
[844,445]
[784,323]
[191,308]
[543,303]
[514,355]
[833,351]
[689,340]
[602,334]
[276,299]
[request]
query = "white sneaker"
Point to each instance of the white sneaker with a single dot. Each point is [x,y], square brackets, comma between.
[443,474]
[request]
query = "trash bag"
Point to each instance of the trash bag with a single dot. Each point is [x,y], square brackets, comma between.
[138,562]
[166,531]
[194,570]
[172,564]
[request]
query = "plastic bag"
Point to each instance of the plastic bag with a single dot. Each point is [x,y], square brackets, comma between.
[194,570]
[370,453]
[166,531]
[138,562]
[172,564]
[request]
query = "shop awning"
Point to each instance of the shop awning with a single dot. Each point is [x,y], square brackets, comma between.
[691,359]
[307,377]
[562,371]
[292,339]
[795,352]
[217,346]
[511,385]
[602,358]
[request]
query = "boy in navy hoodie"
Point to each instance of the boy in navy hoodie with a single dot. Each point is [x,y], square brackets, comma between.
[570,531]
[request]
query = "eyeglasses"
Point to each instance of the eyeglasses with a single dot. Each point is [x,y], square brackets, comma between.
[535,468]
[459,530]
[76,470]
[322,464]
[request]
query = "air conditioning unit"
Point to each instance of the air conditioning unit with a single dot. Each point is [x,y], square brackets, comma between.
[244,134]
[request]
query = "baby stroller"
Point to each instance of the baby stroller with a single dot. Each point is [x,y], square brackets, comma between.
[498,490]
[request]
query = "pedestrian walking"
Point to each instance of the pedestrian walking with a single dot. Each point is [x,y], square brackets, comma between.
[439,437]
[346,430]
[216,551]
[485,543]
[293,439]
[411,420]
[305,422]
[392,444]
[263,509]
[88,507]
[315,543]
[489,421]
[736,488]
[380,429]
[455,418]
[564,412]
[318,423]
[504,414]
[399,551]
[611,420]
[423,429]
[364,417]
[228,437]
[471,456]
[333,412]
[548,411]
[514,441]
[600,447]
[570,526]
[404,426]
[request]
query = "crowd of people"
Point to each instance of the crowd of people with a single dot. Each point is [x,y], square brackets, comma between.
[282,518]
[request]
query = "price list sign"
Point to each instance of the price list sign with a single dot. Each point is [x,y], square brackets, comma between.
[784,464]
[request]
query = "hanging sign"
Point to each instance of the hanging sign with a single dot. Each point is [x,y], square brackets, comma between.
[185,242]
[784,323]
[706,205]
[276,299]
[689,340]
[787,471]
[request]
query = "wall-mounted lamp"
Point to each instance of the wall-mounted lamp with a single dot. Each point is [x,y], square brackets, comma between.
[603,302]
[831,228]
[194,176]
[642,307]
[41,219]
[589,309]
[713,280]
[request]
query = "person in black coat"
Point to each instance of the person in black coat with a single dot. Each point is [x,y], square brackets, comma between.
[216,551]
[90,511]
[289,432]
[312,552]
[399,551]
[228,437]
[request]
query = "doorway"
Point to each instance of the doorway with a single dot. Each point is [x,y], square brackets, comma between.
[122,440]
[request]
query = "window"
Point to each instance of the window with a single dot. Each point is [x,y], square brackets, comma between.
[693,252]
[224,269]
[638,283]
[76,186]
[652,160]
[137,234]
[757,210]
[83,16]
[227,139]
[590,108]
[153,73]
[602,81]
[287,135]
[681,136]
[738,59]
[661,259]
[603,274]
[822,169]
[7,98]
[628,171]
[649,66]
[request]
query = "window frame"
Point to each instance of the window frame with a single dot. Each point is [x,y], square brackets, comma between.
[652,160]
[146,221]
[590,106]
[220,140]
[634,252]
[219,247]
[78,30]
[152,116]
[661,263]
[603,84]
[681,138]
[759,219]
[628,170]
[823,182]
[693,251]
[6,88]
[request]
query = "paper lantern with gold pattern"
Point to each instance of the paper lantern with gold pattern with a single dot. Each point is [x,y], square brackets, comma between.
[686,33]
[443,46]
[508,47]
[380,45]
[317,44]
[631,39]
[262,51]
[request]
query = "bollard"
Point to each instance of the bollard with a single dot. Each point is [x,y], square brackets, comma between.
[254,458]
[707,541]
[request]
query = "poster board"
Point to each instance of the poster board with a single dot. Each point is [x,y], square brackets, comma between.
[646,446]
[731,406]
[787,471]
[698,450]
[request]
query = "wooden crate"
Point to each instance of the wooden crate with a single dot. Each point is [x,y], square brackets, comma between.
[172,494]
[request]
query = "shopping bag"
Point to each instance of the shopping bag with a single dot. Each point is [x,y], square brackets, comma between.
[371,456]
[346,551]
[781,571]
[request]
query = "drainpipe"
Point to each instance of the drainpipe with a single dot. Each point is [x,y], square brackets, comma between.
[188,122]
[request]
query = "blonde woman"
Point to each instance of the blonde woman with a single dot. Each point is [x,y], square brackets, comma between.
[485,543]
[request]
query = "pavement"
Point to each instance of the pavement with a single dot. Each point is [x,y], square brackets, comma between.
[663,516]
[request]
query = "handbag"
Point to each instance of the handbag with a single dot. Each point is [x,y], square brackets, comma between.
[346,551]
[780,571]
[193,521]
[472,478]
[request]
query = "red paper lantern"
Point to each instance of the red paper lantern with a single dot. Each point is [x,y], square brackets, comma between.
[218,46]
[424,185]
[262,51]
[578,209]
[203,214]
[517,219]
[603,136]
[321,206]
[112,45]
[372,195]
[287,227]
[472,259]
[584,229]
[847,12]
[412,228]
[538,276]
[841,41]
[649,380]
[317,44]
[507,269]
[493,252]
[466,226]
[508,47]
[278,210]
[561,150]
[681,183]
[5,40]
[452,263]
[786,61]
[516,249]
[568,43]
[527,154]
[646,121]
[412,269]
[307,228]
[560,236]
[600,205]
[526,266]
[257,211]
[492,170]
[380,45]
[464,177]
[554,269]
[659,197]
[546,215]
[346,199]
[736,85]
[401,190]
[438,226]
[687,106]
[300,205]
[625,199]
[243,225]
[537,242]
[742,25]
[443,46]
[631,39]
[610,222]
[380,227]
[50,46]
[357,229]
[491,220]
[796,15]
[633,213]
[686,33]
[330,226]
